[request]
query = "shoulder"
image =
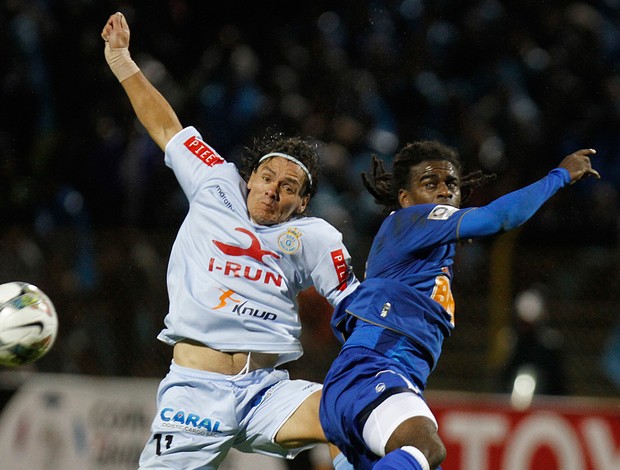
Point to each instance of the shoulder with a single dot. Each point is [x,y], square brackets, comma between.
[424,212]
[316,226]
[189,141]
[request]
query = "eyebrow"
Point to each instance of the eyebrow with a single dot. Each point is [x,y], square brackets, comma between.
[435,176]
[286,179]
[428,176]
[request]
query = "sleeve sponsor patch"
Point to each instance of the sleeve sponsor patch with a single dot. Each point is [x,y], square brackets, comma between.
[342,270]
[442,212]
[203,151]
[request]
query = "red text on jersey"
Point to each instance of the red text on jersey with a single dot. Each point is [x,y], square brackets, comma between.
[342,270]
[203,151]
[230,269]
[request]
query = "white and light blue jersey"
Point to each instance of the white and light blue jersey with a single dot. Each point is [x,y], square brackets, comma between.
[232,284]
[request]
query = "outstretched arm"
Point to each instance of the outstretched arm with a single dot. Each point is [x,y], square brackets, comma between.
[151,108]
[513,209]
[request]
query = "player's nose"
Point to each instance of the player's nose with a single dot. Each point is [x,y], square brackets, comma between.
[272,191]
[443,191]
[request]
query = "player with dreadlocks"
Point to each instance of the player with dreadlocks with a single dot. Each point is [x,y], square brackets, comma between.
[394,324]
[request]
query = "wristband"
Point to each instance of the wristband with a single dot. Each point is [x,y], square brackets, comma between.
[120,62]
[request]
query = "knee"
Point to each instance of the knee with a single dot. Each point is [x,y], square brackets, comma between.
[430,457]
[420,433]
[434,450]
[436,454]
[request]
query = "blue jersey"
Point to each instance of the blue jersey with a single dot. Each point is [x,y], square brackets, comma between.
[409,271]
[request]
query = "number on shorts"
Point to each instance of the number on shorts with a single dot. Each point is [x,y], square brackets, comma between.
[167,439]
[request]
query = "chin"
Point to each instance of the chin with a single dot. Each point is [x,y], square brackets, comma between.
[265,220]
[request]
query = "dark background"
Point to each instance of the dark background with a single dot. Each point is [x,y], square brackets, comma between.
[88,211]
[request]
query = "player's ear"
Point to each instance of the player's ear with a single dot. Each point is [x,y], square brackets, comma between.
[250,181]
[403,198]
[304,203]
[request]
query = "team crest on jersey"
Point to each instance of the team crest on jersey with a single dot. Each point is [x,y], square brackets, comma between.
[442,212]
[289,241]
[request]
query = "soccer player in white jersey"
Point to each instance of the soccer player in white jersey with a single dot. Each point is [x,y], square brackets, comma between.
[240,258]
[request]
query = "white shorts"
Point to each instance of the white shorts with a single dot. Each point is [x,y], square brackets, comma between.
[202,415]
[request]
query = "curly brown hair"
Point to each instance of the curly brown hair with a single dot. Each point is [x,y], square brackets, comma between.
[303,149]
[384,186]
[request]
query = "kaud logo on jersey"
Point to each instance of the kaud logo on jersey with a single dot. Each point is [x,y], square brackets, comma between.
[239,307]
[254,251]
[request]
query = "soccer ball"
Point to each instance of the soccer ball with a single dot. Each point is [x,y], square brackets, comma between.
[28,323]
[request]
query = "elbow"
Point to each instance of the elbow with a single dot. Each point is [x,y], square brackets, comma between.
[163,133]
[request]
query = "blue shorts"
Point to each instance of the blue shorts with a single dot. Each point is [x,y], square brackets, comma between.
[202,415]
[358,381]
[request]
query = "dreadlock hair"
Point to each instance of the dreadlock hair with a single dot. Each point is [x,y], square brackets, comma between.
[303,149]
[384,186]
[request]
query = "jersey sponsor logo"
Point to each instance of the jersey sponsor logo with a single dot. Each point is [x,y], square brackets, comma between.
[254,251]
[203,151]
[442,293]
[242,307]
[245,309]
[222,195]
[225,297]
[231,269]
[442,212]
[342,270]
[188,421]
[289,241]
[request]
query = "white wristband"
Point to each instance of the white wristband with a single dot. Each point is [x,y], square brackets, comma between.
[120,62]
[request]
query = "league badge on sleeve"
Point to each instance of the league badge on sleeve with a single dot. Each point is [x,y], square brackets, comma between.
[442,212]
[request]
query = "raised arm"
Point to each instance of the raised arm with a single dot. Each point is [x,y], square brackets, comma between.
[513,209]
[151,108]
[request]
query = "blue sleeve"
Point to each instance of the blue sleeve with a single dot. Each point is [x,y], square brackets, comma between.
[513,209]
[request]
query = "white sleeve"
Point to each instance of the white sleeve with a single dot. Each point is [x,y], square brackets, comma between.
[332,274]
[192,160]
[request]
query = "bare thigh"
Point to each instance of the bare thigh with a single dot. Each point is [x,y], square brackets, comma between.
[303,427]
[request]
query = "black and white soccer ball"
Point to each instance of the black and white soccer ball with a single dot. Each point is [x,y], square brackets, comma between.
[28,323]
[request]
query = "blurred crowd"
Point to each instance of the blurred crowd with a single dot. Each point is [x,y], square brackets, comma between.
[88,210]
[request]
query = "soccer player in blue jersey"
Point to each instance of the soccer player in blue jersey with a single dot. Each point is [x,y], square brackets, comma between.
[394,324]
